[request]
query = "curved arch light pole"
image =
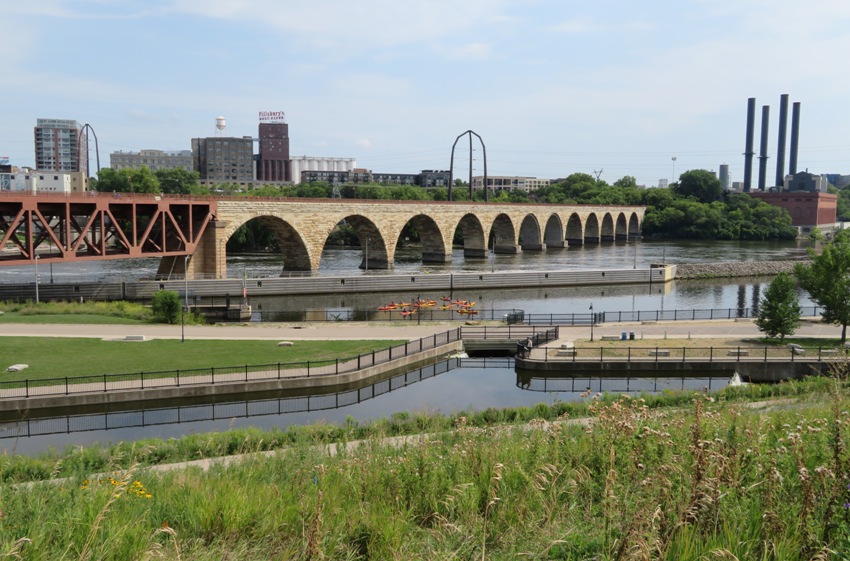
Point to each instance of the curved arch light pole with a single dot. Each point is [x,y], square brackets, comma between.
[87,128]
[452,165]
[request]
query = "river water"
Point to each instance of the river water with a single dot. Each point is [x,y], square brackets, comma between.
[445,388]
[680,295]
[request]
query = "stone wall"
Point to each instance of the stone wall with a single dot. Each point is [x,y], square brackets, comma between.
[303,226]
[730,269]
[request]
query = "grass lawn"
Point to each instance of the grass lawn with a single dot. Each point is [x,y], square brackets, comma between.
[14,317]
[53,357]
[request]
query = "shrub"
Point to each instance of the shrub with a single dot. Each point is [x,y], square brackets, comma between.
[166,306]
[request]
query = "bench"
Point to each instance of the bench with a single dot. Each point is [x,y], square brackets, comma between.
[610,337]
[659,352]
[738,352]
[829,351]
[569,351]
[134,338]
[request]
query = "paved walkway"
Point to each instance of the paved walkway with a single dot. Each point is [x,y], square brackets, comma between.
[400,330]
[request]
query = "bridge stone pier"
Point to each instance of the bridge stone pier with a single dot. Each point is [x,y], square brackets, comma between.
[302,228]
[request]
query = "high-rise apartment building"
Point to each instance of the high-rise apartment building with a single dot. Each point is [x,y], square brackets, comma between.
[59,146]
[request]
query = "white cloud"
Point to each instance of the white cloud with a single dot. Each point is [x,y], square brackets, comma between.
[469,51]
[363,144]
[358,26]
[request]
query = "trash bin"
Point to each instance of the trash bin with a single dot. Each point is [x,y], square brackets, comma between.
[624,335]
[632,335]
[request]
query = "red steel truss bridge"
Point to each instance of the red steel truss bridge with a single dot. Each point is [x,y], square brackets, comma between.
[94,226]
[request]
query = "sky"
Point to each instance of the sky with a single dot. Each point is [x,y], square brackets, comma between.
[610,87]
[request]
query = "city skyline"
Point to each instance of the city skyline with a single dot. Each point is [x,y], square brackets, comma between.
[552,88]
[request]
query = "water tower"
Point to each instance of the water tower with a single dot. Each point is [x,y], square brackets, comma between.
[220,125]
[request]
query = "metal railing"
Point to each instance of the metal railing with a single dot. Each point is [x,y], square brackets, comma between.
[213,411]
[672,354]
[509,316]
[68,385]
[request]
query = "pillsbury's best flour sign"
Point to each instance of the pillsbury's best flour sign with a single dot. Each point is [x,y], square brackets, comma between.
[272,117]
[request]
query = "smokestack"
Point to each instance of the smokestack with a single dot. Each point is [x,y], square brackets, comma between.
[765,122]
[780,148]
[795,137]
[748,154]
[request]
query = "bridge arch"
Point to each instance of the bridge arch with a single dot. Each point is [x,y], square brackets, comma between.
[553,234]
[503,234]
[431,237]
[375,254]
[606,233]
[474,240]
[634,226]
[294,252]
[591,229]
[621,229]
[575,230]
[529,233]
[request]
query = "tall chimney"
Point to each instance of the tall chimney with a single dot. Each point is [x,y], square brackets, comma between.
[748,154]
[795,137]
[780,147]
[765,122]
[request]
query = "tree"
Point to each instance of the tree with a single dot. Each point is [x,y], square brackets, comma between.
[166,306]
[700,184]
[626,182]
[827,280]
[140,180]
[779,309]
[178,181]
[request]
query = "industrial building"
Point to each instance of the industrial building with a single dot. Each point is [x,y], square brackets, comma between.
[802,194]
[152,159]
[224,159]
[273,157]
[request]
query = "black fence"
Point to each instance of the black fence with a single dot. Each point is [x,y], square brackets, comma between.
[409,315]
[108,420]
[652,315]
[16,389]
[516,316]
[670,354]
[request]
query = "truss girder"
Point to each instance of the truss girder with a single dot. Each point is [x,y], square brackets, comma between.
[84,227]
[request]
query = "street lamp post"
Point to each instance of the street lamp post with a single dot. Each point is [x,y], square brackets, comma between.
[186,280]
[36,279]
[366,259]
[592,321]
[635,263]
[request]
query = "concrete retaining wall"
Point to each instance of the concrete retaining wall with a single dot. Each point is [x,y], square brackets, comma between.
[750,371]
[409,362]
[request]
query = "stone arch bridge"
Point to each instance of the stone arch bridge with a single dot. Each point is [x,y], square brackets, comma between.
[302,227]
